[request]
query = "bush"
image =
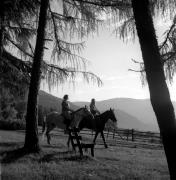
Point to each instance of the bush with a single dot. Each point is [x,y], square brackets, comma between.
[16,124]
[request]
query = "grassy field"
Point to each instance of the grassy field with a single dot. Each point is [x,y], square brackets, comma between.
[59,162]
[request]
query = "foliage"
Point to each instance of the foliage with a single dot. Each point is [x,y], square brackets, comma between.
[15,124]
[159,9]
[7,110]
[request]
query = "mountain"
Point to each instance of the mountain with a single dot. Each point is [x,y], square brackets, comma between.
[137,108]
[128,121]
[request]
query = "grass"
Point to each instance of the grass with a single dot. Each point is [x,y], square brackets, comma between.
[59,162]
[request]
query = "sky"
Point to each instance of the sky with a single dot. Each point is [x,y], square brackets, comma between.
[110,59]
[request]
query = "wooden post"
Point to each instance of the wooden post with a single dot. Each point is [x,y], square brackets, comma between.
[107,134]
[113,133]
[132,134]
[128,134]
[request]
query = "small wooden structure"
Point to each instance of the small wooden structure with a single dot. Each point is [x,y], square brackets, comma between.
[76,141]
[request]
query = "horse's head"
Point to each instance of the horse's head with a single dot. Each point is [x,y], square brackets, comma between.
[112,115]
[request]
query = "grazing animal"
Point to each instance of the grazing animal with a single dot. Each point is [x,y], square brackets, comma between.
[54,119]
[98,123]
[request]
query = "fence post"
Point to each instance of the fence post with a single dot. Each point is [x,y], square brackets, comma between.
[107,134]
[128,134]
[113,133]
[160,137]
[132,134]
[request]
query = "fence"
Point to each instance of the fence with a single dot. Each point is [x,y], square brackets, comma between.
[125,137]
[129,136]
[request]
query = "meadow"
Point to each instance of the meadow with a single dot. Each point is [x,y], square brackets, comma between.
[57,161]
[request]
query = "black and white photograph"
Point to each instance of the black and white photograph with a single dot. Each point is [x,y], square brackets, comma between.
[87,89]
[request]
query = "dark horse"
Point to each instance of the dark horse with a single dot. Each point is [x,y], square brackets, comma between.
[98,123]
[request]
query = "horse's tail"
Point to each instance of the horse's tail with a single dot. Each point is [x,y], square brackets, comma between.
[43,127]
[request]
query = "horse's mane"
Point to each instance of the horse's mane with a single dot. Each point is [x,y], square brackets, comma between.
[103,113]
[77,110]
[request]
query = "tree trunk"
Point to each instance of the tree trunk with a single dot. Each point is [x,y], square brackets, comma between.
[31,138]
[1,26]
[159,94]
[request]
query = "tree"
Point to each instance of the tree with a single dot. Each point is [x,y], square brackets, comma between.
[64,51]
[159,94]
[31,137]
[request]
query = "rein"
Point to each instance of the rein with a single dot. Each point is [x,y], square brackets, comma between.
[73,113]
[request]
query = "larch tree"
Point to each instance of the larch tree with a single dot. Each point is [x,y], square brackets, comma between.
[31,137]
[159,93]
[159,61]
[56,27]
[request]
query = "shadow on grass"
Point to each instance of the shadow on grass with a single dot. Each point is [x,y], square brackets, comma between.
[64,156]
[12,155]
[10,144]
[54,156]
[17,151]
[53,146]
[78,158]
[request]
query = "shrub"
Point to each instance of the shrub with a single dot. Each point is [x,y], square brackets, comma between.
[16,124]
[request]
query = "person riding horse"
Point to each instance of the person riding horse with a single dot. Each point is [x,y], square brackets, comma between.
[93,108]
[66,110]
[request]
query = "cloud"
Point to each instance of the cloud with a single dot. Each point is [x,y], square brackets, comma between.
[120,77]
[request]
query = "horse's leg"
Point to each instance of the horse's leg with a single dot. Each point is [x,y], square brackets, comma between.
[43,135]
[49,128]
[68,142]
[102,135]
[48,136]
[96,134]
[44,127]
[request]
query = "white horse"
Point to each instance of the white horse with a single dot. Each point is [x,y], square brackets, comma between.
[54,119]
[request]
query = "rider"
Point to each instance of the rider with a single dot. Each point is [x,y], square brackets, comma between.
[93,108]
[66,111]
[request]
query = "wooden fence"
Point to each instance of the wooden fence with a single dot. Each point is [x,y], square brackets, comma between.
[129,135]
[125,137]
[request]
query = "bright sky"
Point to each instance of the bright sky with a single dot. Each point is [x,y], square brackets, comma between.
[110,59]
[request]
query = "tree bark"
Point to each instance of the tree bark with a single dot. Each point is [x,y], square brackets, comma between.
[31,137]
[1,26]
[159,93]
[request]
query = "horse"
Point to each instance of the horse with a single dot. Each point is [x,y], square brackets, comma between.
[97,124]
[54,119]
